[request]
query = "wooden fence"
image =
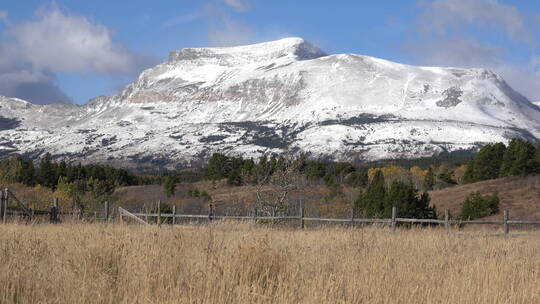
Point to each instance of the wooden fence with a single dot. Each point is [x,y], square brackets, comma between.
[393,222]
[22,210]
[19,209]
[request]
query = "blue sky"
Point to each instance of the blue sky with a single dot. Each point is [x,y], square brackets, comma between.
[76,50]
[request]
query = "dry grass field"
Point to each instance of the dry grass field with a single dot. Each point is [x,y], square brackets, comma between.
[242,263]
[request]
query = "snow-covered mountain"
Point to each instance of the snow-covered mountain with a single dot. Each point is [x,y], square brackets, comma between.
[271,97]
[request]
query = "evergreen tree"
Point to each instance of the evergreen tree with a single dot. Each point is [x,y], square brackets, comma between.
[523,160]
[371,202]
[508,158]
[445,176]
[487,163]
[235,178]
[468,175]
[535,163]
[170,185]
[404,196]
[219,166]
[61,170]
[429,180]
[357,178]
[273,164]
[98,188]
[478,206]
[27,174]
[315,170]
[46,172]
[518,159]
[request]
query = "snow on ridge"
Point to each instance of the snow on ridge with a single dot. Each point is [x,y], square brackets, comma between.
[292,47]
[268,97]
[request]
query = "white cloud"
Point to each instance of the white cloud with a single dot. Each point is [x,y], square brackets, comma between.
[455,51]
[471,53]
[223,30]
[535,62]
[522,78]
[444,38]
[441,16]
[21,80]
[239,5]
[4,16]
[187,18]
[69,43]
[56,41]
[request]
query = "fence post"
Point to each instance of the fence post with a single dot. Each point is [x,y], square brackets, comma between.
[51,215]
[106,211]
[173,215]
[352,217]
[6,203]
[505,221]
[394,215]
[2,203]
[54,212]
[210,212]
[446,219]
[301,216]
[159,213]
[120,216]
[255,215]
[57,207]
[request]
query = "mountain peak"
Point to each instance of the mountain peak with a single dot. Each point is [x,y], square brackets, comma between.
[292,47]
[272,97]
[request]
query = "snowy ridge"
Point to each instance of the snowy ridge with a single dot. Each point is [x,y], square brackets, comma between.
[271,97]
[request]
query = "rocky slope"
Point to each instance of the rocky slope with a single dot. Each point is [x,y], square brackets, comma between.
[271,97]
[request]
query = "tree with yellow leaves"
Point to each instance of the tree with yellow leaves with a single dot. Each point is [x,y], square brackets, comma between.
[390,173]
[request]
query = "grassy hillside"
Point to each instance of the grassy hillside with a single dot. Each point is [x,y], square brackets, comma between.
[521,195]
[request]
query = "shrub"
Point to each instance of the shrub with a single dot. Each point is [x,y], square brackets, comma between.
[170,185]
[478,206]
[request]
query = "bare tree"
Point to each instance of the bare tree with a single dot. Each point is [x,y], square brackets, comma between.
[276,182]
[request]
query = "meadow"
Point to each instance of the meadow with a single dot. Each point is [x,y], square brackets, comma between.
[243,263]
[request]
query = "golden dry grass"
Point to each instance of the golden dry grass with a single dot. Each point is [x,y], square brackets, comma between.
[240,263]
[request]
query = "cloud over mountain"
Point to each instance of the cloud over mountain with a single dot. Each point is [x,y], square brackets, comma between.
[456,33]
[57,41]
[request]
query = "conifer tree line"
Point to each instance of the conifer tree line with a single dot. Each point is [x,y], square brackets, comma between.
[240,171]
[381,185]
[377,200]
[519,158]
[100,179]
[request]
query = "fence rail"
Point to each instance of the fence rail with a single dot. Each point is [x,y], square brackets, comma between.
[23,210]
[505,222]
[19,209]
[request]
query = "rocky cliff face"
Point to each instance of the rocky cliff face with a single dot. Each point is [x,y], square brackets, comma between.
[271,97]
